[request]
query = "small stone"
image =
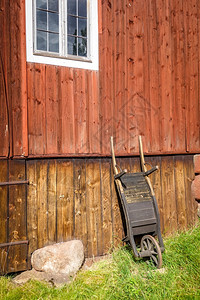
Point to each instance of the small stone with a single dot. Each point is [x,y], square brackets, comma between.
[197,164]
[52,279]
[62,258]
[198,210]
[196,187]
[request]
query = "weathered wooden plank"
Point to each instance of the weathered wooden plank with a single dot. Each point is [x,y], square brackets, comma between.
[118,229]
[65,200]
[94,221]
[106,204]
[191,204]
[32,207]
[168,195]
[180,192]
[17,217]
[41,183]
[80,216]
[155,178]
[51,200]
[3,216]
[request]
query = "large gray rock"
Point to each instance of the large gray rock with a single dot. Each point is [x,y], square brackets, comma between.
[62,258]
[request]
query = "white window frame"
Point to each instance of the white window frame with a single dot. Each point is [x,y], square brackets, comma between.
[91,62]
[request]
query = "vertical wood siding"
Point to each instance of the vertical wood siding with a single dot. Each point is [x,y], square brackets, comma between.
[76,198]
[13,79]
[147,83]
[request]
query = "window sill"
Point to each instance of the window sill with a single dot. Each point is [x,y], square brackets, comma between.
[58,56]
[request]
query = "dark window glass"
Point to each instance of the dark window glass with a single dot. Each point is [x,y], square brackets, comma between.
[82,8]
[53,5]
[53,20]
[54,42]
[42,40]
[41,4]
[47,26]
[82,27]
[82,47]
[71,7]
[41,20]
[72,45]
[72,25]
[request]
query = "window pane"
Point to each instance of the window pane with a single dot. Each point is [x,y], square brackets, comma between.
[53,20]
[71,7]
[82,8]
[72,45]
[82,27]
[41,20]
[53,5]
[41,40]
[71,25]
[41,4]
[54,42]
[82,47]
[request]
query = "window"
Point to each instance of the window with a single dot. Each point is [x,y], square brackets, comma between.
[62,32]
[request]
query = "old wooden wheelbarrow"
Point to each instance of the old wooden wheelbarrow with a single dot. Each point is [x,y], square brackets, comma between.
[140,210]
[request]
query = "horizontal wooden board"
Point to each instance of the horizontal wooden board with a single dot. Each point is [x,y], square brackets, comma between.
[77,199]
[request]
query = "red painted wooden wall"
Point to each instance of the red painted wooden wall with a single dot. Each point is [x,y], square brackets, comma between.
[148,83]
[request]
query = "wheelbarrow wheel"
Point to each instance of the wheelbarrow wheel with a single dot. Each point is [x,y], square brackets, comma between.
[149,243]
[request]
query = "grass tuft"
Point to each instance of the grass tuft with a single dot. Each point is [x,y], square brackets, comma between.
[122,277]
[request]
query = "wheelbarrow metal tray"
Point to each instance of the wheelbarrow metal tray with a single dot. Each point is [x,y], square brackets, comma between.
[139,203]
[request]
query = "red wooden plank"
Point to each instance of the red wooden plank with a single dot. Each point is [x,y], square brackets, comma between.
[192,76]
[4,126]
[52,109]
[179,99]
[147,107]
[18,77]
[7,67]
[80,111]
[166,69]
[36,108]
[136,84]
[119,77]
[106,69]
[67,111]
[93,108]
[154,78]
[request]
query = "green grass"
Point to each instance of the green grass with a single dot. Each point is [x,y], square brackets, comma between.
[121,277]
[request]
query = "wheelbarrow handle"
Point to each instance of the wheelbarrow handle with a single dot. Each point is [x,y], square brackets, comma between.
[150,171]
[117,176]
